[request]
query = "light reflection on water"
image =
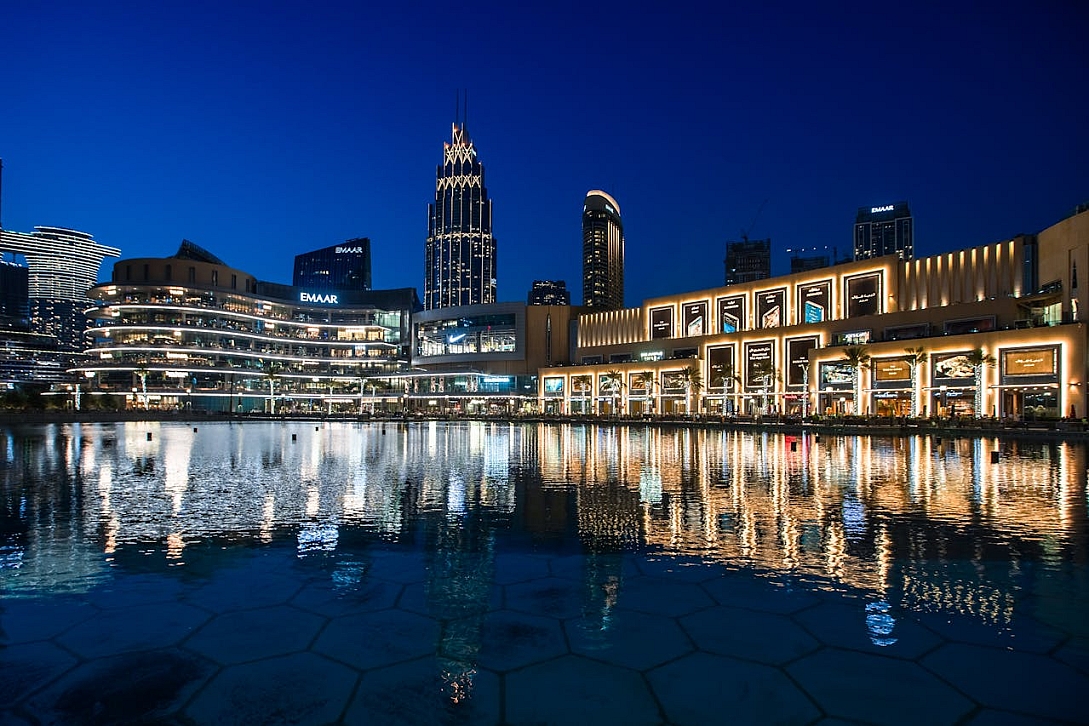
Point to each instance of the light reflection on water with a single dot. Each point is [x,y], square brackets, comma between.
[922,525]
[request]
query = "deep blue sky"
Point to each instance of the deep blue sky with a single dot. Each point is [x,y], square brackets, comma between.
[260,130]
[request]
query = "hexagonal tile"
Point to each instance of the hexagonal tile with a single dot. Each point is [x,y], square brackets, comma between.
[28,667]
[1075,653]
[131,688]
[1004,679]
[661,597]
[513,639]
[876,688]
[327,598]
[519,567]
[992,717]
[380,638]
[745,591]
[143,627]
[681,569]
[246,635]
[236,589]
[594,566]
[135,590]
[396,566]
[702,688]
[450,598]
[628,638]
[24,621]
[748,635]
[849,625]
[1024,634]
[573,690]
[296,689]
[553,597]
[424,692]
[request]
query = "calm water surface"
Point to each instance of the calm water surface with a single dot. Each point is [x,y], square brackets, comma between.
[904,527]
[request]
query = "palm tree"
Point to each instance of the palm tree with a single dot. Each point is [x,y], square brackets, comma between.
[916,357]
[581,385]
[765,372]
[271,375]
[979,359]
[730,382]
[142,372]
[613,382]
[692,381]
[646,381]
[857,357]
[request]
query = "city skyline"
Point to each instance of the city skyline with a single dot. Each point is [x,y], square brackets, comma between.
[265,131]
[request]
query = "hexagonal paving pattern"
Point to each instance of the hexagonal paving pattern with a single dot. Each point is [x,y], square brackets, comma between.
[424,692]
[661,597]
[632,639]
[702,689]
[296,689]
[244,635]
[28,667]
[30,619]
[742,590]
[381,638]
[858,625]
[747,634]
[877,689]
[555,597]
[574,690]
[512,640]
[142,627]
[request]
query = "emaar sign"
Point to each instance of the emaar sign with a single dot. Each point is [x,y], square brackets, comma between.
[313,297]
[886,208]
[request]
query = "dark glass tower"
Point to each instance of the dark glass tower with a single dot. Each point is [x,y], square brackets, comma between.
[748,260]
[346,266]
[885,230]
[602,252]
[14,296]
[460,257]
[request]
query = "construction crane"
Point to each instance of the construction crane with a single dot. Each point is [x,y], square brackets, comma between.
[745,232]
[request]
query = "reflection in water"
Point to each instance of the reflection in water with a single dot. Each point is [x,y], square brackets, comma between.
[905,523]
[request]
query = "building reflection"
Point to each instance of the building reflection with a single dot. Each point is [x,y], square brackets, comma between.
[914,522]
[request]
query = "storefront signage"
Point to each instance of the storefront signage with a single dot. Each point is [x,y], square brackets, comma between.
[661,323]
[720,365]
[731,314]
[759,364]
[814,302]
[1029,362]
[953,367]
[348,251]
[314,297]
[553,385]
[771,308]
[694,318]
[836,375]
[894,369]
[798,359]
[864,295]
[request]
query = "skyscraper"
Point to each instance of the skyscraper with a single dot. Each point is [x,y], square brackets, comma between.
[63,265]
[345,266]
[884,230]
[748,260]
[549,292]
[602,252]
[460,257]
[14,295]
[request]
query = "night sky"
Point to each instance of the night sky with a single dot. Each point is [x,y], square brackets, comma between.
[261,130]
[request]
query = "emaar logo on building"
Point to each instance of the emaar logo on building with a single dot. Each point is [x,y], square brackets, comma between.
[886,208]
[349,251]
[313,297]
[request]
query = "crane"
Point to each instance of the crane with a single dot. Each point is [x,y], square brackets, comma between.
[745,232]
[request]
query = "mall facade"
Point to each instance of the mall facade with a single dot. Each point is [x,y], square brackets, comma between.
[993,330]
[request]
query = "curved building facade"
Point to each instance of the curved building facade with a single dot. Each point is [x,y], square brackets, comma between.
[188,332]
[602,253]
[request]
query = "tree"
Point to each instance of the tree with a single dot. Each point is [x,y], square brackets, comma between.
[271,375]
[979,359]
[916,357]
[613,383]
[729,381]
[765,372]
[581,385]
[692,382]
[857,358]
[142,373]
[646,381]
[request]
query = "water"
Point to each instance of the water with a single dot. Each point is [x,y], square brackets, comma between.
[504,573]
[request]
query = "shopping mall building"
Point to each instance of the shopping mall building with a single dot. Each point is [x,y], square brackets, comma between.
[993,330]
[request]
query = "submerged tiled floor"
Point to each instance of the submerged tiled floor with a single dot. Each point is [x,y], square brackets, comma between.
[389,637]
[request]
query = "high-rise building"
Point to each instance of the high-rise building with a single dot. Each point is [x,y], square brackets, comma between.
[748,260]
[884,230]
[805,263]
[345,266]
[549,292]
[62,266]
[14,296]
[460,257]
[602,252]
